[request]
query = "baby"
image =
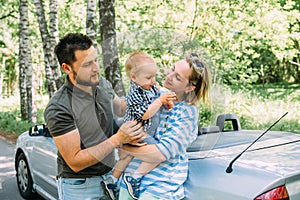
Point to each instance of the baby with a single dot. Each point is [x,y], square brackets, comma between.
[143,103]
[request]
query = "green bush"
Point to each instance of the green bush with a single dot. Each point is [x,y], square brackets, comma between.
[10,122]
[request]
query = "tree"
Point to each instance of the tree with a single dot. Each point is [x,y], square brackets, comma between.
[109,45]
[25,63]
[91,28]
[53,26]
[53,75]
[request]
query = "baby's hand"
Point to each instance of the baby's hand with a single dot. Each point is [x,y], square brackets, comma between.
[168,97]
[169,105]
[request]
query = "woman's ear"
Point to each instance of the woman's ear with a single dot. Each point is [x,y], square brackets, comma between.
[189,88]
[67,68]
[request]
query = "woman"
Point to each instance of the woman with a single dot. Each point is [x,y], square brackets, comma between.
[190,80]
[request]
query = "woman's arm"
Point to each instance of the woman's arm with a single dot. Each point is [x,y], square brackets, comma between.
[148,153]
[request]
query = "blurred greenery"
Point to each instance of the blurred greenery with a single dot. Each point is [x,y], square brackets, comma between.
[252,48]
[257,108]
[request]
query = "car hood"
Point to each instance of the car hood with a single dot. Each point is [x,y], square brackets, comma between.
[277,153]
[270,162]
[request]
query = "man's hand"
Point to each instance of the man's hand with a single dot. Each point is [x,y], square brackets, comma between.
[129,131]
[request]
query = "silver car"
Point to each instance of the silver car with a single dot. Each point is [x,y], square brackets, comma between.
[225,163]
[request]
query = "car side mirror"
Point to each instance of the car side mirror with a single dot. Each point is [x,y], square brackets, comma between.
[39,130]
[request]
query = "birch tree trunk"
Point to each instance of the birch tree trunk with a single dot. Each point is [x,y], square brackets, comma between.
[109,45]
[25,62]
[53,28]
[2,75]
[91,16]
[51,73]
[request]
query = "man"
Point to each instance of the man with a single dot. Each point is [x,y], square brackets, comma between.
[80,119]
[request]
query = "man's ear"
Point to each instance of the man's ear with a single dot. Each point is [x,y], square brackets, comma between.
[67,68]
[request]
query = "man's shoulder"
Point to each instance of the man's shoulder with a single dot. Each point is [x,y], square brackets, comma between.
[105,86]
[60,99]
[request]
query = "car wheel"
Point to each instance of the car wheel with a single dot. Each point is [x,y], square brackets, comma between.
[24,179]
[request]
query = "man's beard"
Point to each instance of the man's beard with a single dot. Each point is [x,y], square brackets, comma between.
[83,82]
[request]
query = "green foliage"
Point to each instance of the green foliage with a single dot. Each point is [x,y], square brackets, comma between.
[259,106]
[11,122]
[250,40]
[253,47]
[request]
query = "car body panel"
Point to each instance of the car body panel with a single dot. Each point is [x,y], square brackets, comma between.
[270,162]
[274,160]
[41,154]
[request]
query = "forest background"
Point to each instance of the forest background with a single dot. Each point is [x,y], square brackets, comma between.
[252,48]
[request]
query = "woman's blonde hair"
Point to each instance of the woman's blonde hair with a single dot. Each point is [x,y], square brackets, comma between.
[200,78]
[137,59]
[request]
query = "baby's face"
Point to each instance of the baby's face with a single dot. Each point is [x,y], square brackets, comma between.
[145,76]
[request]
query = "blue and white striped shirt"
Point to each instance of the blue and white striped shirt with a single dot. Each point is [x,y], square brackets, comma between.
[177,129]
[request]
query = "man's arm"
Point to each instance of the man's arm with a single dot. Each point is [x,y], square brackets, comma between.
[69,146]
[119,106]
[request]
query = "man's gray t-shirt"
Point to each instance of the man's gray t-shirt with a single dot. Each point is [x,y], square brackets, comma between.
[71,108]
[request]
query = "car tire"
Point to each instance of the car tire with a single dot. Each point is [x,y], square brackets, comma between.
[24,179]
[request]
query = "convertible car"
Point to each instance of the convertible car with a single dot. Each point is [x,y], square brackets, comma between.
[225,163]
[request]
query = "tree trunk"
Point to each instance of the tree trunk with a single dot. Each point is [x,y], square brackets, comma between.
[53,27]
[91,16]
[2,75]
[25,62]
[48,56]
[109,45]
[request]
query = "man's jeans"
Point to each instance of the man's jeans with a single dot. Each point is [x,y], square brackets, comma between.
[80,188]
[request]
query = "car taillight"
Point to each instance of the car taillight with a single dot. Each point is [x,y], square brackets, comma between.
[279,193]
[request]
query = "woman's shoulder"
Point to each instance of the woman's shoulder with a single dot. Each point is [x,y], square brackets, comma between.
[184,108]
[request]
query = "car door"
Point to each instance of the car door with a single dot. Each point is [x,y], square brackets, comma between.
[43,161]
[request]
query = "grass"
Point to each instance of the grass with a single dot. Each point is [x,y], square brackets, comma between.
[10,115]
[257,107]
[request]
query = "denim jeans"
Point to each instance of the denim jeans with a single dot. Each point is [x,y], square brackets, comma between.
[80,188]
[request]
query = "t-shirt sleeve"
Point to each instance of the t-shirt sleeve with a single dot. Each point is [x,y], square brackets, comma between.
[181,131]
[59,120]
[107,86]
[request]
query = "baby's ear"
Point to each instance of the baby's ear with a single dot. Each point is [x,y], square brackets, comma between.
[132,76]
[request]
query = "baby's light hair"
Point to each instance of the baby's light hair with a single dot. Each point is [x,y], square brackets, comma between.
[137,59]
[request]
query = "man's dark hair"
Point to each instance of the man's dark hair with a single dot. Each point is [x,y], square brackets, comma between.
[66,47]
